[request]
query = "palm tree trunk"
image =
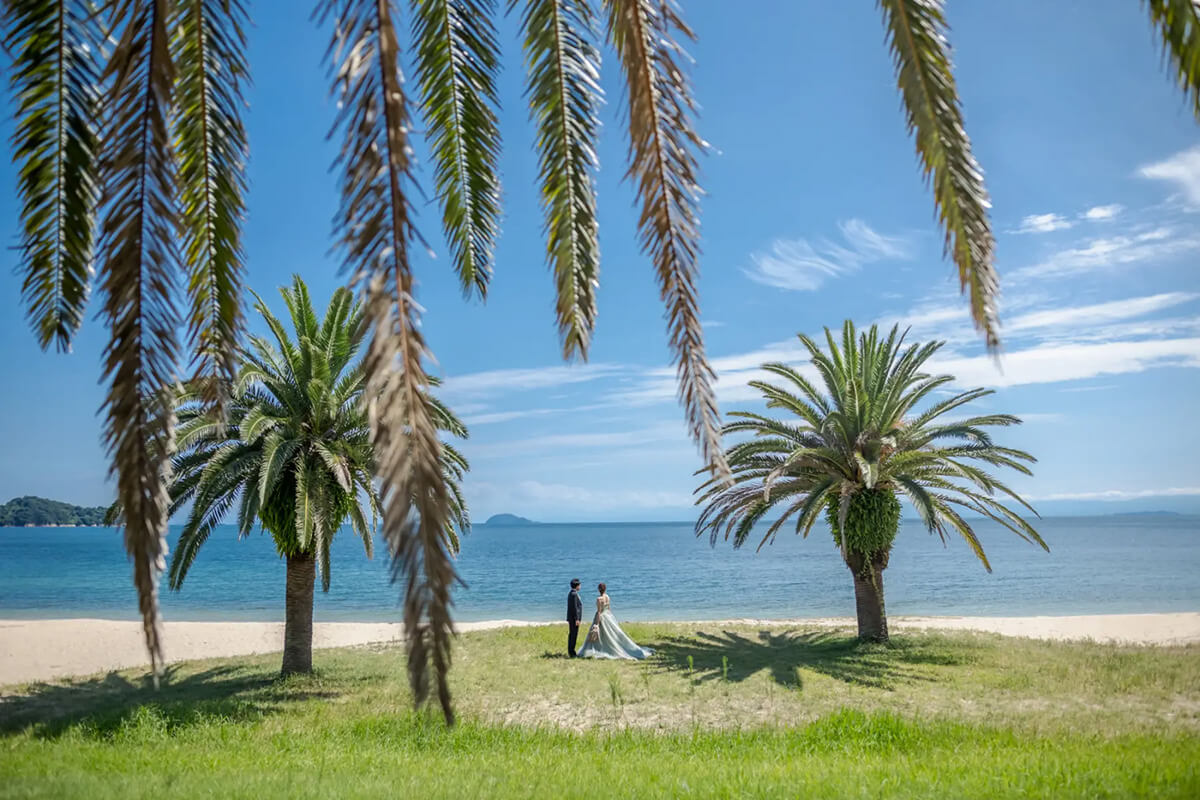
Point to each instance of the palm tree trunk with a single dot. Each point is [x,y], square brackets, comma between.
[868,596]
[297,632]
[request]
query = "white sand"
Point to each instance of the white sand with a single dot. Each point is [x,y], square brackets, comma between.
[40,650]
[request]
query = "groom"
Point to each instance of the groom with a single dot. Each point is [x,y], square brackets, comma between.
[574,616]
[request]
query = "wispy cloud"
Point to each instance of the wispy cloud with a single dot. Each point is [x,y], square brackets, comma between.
[1122,494]
[803,265]
[1102,213]
[1099,313]
[1181,169]
[1043,223]
[1059,363]
[491,418]
[666,433]
[1153,245]
[1096,339]
[1100,388]
[484,383]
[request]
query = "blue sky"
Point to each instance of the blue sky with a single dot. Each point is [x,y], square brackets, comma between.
[816,212]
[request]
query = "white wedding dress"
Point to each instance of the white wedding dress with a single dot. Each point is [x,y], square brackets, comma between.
[605,639]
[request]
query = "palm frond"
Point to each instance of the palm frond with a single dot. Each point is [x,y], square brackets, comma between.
[375,230]
[137,252]
[1178,23]
[209,54]
[662,152]
[916,33]
[563,66]
[457,58]
[54,79]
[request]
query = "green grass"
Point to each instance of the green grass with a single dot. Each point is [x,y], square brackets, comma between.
[774,712]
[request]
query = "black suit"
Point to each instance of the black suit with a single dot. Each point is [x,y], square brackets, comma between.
[574,615]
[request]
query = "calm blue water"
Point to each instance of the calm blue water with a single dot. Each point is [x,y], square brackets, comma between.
[653,571]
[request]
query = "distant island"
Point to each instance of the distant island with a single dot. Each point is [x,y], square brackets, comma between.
[24,512]
[507,521]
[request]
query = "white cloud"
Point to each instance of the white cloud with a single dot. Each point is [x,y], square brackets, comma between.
[1096,339]
[1101,213]
[1181,169]
[1056,363]
[1101,388]
[1157,244]
[1098,313]
[1160,328]
[488,382]
[870,244]
[1043,223]
[801,265]
[665,432]
[472,420]
[1122,494]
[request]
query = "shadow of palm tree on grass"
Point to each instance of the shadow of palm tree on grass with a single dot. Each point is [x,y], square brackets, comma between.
[785,654]
[104,705]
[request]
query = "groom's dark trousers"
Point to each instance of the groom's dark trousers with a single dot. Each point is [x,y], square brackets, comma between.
[574,615]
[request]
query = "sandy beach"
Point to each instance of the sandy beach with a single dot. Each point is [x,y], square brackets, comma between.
[42,650]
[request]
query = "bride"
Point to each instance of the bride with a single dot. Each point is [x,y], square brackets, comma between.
[606,639]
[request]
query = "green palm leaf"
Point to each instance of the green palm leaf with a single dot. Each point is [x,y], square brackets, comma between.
[54,78]
[209,53]
[916,32]
[662,147]
[563,68]
[456,64]
[1178,23]
[139,262]
[375,231]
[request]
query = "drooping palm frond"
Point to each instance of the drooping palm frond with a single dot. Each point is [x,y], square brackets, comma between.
[374,231]
[1178,23]
[137,252]
[209,53]
[864,432]
[563,66]
[662,147]
[916,33]
[456,63]
[55,71]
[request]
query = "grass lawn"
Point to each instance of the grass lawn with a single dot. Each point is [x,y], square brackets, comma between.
[719,712]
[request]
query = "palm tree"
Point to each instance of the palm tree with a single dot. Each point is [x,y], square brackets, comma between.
[293,454]
[139,102]
[854,449]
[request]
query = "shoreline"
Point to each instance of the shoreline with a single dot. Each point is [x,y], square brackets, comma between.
[35,650]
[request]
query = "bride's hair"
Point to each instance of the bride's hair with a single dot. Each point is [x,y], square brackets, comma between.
[602,588]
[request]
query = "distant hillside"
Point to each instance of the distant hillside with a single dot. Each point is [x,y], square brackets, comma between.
[507,521]
[23,511]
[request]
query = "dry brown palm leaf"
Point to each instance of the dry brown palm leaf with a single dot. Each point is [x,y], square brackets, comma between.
[139,261]
[374,233]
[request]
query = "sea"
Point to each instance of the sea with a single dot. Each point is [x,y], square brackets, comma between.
[654,571]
